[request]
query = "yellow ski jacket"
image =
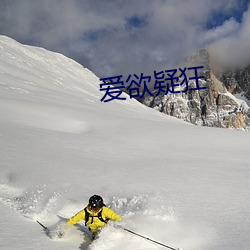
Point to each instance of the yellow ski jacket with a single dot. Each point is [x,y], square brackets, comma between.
[94,223]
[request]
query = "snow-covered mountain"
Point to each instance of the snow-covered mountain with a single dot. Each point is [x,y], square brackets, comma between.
[216,106]
[182,185]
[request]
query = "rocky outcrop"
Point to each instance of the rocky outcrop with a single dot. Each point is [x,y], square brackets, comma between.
[214,106]
[237,81]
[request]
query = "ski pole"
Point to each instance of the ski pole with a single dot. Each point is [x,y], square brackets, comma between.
[146,238]
[45,228]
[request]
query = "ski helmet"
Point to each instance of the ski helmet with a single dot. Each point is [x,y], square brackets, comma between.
[95,202]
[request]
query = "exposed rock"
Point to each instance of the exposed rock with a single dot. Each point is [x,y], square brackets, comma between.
[237,81]
[214,106]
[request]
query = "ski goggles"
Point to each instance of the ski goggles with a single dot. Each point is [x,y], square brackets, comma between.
[94,208]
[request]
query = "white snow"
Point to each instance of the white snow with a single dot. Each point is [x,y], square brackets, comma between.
[182,185]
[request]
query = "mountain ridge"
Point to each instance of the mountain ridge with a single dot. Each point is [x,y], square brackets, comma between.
[214,107]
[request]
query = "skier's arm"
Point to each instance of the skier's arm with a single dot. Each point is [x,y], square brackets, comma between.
[110,214]
[77,217]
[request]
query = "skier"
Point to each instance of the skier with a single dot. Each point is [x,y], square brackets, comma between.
[95,214]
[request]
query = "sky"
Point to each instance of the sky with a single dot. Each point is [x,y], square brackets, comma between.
[118,37]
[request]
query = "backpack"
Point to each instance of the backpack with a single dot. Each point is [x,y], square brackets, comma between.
[88,216]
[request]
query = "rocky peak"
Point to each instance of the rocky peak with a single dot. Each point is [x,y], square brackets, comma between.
[215,106]
[237,81]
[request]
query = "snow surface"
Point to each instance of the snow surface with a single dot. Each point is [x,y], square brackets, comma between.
[182,185]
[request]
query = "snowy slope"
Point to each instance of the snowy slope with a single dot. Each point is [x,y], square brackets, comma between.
[176,183]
